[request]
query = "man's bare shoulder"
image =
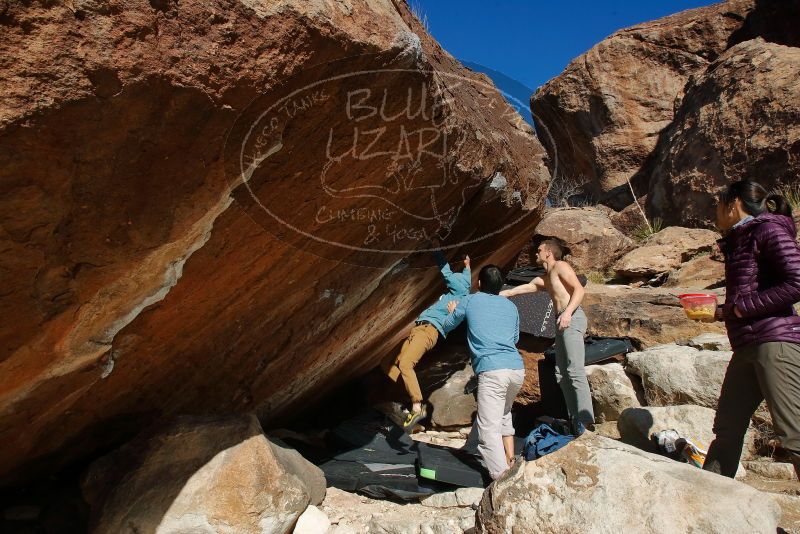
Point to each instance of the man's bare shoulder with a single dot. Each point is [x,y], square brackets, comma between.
[564,267]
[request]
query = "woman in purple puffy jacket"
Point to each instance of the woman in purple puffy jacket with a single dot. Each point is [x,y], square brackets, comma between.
[762,273]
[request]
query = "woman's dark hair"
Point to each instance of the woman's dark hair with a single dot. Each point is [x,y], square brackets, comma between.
[491,279]
[755,198]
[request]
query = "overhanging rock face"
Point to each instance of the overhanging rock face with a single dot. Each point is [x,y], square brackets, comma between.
[221,206]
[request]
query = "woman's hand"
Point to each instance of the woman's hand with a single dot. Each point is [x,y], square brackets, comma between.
[720,316]
[451,306]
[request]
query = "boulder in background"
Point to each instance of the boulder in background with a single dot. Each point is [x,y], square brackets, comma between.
[593,241]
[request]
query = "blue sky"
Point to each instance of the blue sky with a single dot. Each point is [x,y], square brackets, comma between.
[532,41]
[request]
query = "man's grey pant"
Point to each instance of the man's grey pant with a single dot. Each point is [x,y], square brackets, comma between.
[496,393]
[570,372]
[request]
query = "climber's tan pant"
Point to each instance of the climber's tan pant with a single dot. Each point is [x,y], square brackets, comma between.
[421,339]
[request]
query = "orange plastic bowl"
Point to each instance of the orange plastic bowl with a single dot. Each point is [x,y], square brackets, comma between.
[699,306]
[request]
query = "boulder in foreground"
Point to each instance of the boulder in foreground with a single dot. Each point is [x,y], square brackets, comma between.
[596,484]
[200,475]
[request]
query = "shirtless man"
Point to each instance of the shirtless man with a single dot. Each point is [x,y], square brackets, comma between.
[561,282]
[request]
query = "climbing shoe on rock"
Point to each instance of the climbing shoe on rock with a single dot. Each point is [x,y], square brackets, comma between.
[413,418]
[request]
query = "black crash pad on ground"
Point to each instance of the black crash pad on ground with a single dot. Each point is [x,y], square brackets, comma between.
[598,349]
[379,481]
[374,457]
[451,466]
[371,437]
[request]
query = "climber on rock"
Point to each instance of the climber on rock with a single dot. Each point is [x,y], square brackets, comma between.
[423,336]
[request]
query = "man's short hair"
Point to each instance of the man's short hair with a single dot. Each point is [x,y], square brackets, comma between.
[554,247]
[491,279]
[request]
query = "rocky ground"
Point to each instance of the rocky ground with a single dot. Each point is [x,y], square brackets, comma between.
[443,514]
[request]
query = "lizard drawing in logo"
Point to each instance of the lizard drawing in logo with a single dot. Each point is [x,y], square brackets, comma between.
[392,147]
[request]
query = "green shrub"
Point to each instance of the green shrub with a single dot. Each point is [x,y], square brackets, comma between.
[600,277]
[792,195]
[643,231]
[596,277]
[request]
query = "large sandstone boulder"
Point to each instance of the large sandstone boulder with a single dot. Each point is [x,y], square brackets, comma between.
[675,374]
[596,484]
[594,243]
[636,425]
[630,218]
[739,119]
[204,475]
[665,250]
[612,391]
[601,117]
[183,222]
[649,316]
[702,272]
